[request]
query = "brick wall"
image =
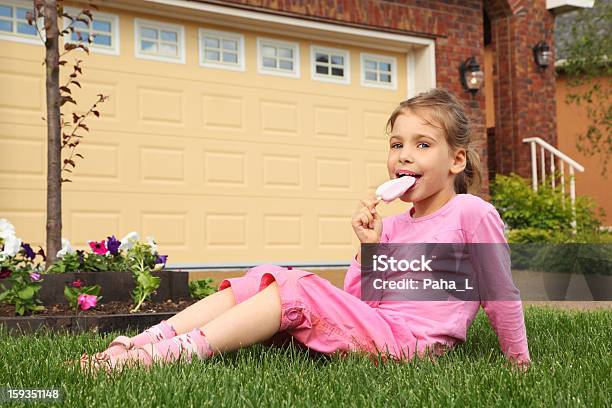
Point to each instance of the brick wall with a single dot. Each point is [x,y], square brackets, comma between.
[524,94]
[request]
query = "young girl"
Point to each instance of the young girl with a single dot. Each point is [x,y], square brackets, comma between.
[429,138]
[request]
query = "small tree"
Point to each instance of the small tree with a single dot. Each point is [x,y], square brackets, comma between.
[57,96]
[589,53]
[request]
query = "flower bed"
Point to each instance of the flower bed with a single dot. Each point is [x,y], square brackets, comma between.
[106,317]
[115,285]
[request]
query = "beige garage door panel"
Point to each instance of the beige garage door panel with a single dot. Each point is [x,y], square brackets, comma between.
[147,104]
[200,229]
[179,165]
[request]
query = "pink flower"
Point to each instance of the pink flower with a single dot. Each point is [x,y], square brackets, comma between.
[77,284]
[86,302]
[34,276]
[98,247]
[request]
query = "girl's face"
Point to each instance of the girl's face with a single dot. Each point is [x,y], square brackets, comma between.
[415,147]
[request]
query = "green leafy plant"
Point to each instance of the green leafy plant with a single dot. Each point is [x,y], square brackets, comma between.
[74,295]
[71,262]
[583,258]
[22,293]
[533,235]
[105,255]
[540,228]
[141,260]
[80,261]
[199,289]
[542,216]
[20,270]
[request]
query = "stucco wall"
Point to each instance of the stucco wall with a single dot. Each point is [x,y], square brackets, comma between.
[572,120]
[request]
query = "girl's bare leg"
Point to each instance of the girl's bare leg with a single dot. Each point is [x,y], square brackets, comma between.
[202,312]
[252,321]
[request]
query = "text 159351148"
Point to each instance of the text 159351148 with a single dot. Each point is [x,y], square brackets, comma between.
[37,394]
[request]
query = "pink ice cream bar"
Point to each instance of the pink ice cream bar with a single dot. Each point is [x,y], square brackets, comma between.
[392,189]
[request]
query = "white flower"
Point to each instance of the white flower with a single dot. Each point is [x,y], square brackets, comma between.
[129,241]
[152,244]
[6,229]
[12,245]
[66,248]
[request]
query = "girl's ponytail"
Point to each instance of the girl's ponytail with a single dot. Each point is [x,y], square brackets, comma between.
[470,179]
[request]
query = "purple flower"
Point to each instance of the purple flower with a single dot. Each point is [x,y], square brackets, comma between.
[34,276]
[112,244]
[29,252]
[161,259]
[5,273]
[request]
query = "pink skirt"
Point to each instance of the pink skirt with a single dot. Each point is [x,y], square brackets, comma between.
[325,318]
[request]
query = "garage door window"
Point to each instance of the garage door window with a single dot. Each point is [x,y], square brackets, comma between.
[160,41]
[104,30]
[378,71]
[220,49]
[14,22]
[330,65]
[278,57]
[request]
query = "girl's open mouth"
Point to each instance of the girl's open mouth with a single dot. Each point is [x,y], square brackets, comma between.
[403,174]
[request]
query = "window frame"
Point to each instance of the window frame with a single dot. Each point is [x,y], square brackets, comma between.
[159,25]
[379,58]
[262,41]
[23,38]
[221,35]
[346,79]
[114,33]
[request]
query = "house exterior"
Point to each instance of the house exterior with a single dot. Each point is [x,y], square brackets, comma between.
[247,131]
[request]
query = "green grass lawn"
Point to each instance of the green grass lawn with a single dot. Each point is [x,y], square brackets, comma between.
[571,366]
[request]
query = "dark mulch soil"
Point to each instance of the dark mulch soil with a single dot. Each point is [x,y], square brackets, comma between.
[110,308]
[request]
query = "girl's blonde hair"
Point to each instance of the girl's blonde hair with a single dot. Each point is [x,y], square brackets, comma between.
[441,109]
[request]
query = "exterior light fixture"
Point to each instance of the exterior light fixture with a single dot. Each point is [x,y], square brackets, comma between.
[542,54]
[471,75]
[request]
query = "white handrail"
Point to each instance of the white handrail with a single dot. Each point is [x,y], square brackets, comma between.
[555,151]
[563,158]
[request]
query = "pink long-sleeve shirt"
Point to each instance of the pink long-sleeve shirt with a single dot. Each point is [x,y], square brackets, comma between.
[466,218]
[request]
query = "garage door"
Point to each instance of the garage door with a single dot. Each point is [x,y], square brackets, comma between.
[220,166]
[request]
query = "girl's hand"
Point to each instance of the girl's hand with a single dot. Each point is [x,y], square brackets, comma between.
[366,222]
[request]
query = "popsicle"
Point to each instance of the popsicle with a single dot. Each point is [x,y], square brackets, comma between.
[392,189]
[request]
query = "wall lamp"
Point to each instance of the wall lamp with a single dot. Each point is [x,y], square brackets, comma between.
[471,75]
[542,54]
